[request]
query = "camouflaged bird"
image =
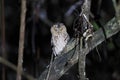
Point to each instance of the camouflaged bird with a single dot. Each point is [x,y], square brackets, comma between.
[59,38]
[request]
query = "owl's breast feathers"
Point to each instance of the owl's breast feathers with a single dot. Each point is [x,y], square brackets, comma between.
[59,43]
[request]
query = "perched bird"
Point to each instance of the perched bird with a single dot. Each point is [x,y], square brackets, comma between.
[59,38]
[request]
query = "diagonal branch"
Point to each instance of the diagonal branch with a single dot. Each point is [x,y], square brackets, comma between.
[62,63]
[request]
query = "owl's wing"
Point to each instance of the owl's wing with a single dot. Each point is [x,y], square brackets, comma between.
[67,38]
[53,46]
[51,42]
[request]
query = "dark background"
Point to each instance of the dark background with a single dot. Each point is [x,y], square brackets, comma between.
[40,16]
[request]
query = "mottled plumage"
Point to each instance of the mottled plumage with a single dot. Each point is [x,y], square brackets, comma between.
[59,38]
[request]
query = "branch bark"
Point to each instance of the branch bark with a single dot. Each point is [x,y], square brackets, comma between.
[82,55]
[21,40]
[64,62]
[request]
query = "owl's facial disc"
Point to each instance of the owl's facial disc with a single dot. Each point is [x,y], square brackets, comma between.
[56,28]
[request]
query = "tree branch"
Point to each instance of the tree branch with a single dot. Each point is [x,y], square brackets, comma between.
[81,54]
[21,40]
[4,55]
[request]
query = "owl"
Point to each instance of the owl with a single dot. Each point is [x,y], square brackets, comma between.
[59,39]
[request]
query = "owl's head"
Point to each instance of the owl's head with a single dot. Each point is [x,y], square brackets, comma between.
[58,28]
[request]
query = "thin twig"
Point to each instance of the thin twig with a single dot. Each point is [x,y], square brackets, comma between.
[117,8]
[50,66]
[3,38]
[21,40]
